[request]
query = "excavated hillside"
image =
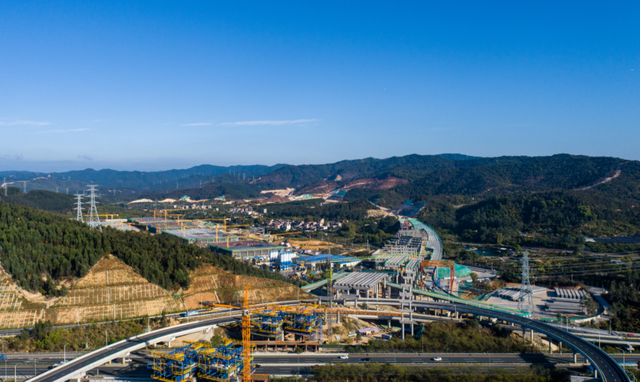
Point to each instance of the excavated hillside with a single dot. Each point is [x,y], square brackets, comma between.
[209,283]
[16,311]
[112,290]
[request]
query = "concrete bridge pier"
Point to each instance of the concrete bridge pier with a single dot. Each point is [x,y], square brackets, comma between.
[575,357]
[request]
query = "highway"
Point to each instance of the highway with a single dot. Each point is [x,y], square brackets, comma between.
[609,369]
[292,364]
[61,373]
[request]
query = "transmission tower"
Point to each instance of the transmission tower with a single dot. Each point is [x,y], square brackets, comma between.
[93,220]
[525,302]
[330,279]
[79,207]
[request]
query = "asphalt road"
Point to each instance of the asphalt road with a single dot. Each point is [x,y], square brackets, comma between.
[610,370]
[62,371]
[292,364]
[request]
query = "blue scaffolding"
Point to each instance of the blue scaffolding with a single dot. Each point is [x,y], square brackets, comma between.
[220,364]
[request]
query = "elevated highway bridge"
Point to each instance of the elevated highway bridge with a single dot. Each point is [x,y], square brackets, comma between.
[604,366]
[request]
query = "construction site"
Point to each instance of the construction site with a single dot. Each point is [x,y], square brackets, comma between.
[377,299]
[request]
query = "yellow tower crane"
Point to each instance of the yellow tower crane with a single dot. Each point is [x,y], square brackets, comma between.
[165,211]
[246,322]
[246,334]
[227,234]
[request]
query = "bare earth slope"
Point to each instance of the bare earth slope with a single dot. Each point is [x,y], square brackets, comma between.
[112,290]
[210,283]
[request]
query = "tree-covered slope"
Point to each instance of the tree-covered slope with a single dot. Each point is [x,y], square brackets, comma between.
[40,199]
[556,218]
[36,246]
[208,191]
[500,176]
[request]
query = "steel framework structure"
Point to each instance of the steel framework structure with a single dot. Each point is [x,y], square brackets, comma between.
[93,220]
[525,302]
[78,207]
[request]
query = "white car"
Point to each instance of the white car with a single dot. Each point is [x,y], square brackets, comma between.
[344,356]
[437,359]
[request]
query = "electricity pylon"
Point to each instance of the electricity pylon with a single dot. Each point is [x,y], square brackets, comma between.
[525,302]
[78,208]
[93,220]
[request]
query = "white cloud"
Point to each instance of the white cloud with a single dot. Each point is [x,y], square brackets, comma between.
[271,123]
[24,123]
[67,131]
[197,124]
[85,157]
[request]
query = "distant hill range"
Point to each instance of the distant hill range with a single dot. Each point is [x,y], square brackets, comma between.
[389,181]
[133,180]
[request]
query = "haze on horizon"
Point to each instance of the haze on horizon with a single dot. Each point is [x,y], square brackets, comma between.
[155,85]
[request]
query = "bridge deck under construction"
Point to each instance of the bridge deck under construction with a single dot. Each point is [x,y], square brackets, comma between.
[360,281]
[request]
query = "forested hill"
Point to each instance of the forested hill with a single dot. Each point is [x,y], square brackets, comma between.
[208,191]
[439,174]
[40,199]
[501,176]
[35,244]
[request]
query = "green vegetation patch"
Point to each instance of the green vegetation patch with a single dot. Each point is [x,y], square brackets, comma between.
[36,246]
[385,372]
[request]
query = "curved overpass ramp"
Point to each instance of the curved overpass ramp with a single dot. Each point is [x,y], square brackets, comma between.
[433,240]
[75,368]
[607,367]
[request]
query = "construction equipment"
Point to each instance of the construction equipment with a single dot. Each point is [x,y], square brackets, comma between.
[230,226]
[165,211]
[222,363]
[443,263]
[303,318]
[178,365]
[246,334]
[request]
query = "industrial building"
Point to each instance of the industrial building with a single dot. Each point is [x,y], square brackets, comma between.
[245,249]
[313,261]
[200,236]
[282,259]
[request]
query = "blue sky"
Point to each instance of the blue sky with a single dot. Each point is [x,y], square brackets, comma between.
[155,85]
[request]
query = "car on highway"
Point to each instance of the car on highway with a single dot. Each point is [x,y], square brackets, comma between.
[436,359]
[344,356]
[365,360]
